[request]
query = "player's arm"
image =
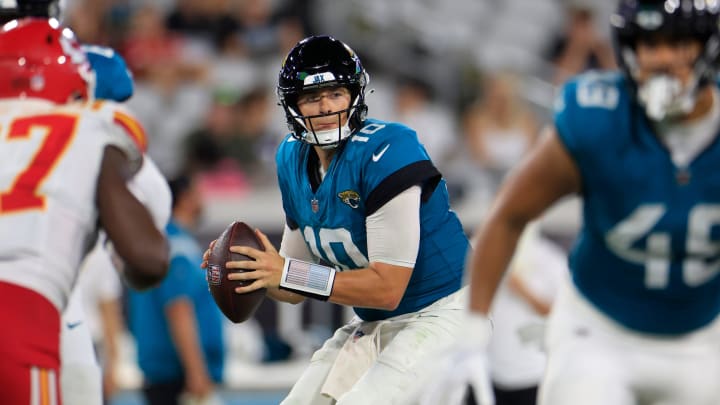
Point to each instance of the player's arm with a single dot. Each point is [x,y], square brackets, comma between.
[112,325]
[519,286]
[181,316]
[546,175]
[393,238]
[393,234]
[292,245]
[128,224]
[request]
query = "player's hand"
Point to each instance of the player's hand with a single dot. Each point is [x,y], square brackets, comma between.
[464,367]
[199,384]
[264,272]
[206,255]
[109,382]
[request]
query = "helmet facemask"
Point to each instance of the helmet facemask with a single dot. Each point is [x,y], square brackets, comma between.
[302,128]
[662,95]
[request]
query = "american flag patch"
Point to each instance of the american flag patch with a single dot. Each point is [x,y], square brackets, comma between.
[213,274]
[308,275]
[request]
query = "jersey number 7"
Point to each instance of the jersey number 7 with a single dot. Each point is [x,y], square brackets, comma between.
[56,131]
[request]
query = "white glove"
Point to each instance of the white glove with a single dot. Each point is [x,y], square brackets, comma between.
[463,367]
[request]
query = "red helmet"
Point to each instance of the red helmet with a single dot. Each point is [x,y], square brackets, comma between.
[41,59]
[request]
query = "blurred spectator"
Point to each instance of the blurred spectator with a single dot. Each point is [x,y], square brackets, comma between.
[582,46]
[499,127]
[171,94]
[234,147]
[205,22]
[261,29]
[435,123]
[85,18]
[156,55]
[177,326]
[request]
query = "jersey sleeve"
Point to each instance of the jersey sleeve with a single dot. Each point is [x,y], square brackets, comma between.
[124,130]
[588,113]
[394,163]
[178,283]
[286,162]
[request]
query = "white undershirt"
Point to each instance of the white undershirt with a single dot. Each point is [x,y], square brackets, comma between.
[686,141]
[383,242]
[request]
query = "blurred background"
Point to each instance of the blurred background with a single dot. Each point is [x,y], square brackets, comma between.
[475,78]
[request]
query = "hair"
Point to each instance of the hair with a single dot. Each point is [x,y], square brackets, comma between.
[179,185]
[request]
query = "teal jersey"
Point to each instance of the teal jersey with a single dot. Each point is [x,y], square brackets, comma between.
[648,253]
[369,169]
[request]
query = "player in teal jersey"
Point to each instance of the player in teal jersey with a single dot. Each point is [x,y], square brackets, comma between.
[362,197]
[638,324]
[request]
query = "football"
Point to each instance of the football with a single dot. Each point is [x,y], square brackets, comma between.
[236,307]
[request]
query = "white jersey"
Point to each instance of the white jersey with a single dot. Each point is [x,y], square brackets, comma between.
[51,158]
[98,280]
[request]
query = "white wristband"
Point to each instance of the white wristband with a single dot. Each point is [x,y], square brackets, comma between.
[309,279]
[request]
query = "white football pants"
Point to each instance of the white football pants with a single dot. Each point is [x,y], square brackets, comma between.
[387,364]
[595,361]
[80,373]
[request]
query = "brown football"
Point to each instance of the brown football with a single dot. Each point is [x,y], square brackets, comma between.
[236,307]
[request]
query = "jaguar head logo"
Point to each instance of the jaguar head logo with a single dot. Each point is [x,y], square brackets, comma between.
[350,197]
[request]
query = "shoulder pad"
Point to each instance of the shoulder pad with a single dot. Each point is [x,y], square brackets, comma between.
[120,116]
[593,90]
[125,131]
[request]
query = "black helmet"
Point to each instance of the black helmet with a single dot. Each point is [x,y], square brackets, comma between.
[637,20]
[317,62]
[13,9]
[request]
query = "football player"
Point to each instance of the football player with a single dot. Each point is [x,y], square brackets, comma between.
[82,381]
[639,322]
[65,172]
[362,196]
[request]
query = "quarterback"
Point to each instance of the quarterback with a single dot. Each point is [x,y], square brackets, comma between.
[368,225]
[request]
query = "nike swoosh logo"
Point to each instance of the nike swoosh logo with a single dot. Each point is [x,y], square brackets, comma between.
[376,157]
[73,325]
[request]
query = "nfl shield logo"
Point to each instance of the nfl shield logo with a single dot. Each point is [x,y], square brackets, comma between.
[315,205]
[213,274]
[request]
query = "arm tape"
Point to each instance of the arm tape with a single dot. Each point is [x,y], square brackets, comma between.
[308,279]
